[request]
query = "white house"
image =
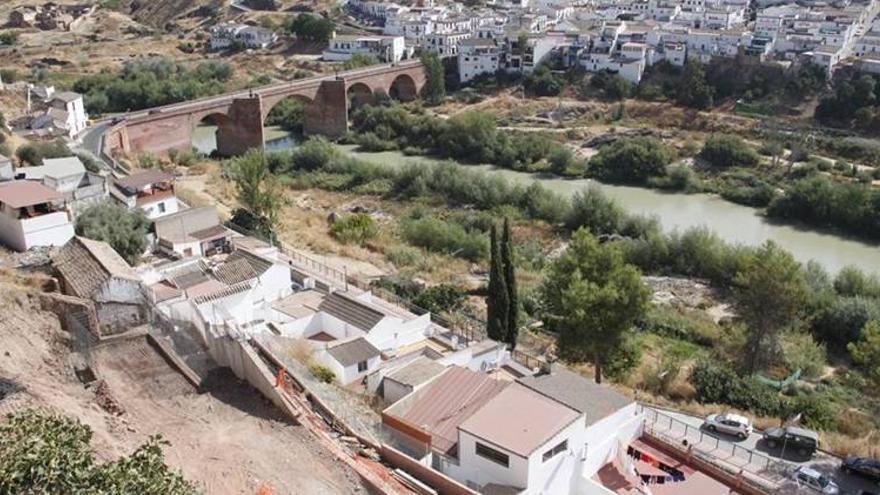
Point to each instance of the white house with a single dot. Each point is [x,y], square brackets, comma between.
[406,379]
[192,232]
[351,360]
[66,114]
[31,215]
[385,48]
[61,174]
[92,270]
[610,418]
[477,56]
[152,191]
[225,35]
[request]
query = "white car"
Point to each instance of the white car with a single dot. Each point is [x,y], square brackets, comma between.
[815,481]
[731,424]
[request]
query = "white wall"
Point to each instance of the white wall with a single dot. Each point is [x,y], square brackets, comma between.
[151,210]
[392,333]
[602,445]
[54,229]
[348,374]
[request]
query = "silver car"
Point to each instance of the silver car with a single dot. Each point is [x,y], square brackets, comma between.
[731,424]
[815,481]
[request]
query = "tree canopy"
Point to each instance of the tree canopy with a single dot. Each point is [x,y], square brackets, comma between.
[49,454]
[310,27]
[258,190]
[772,290]
[866,352]
[592,298]
[124,230]
[434,90]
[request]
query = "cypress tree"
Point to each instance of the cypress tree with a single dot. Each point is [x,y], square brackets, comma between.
[512,329]
[497,299]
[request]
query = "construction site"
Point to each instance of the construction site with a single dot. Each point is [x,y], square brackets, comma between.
[225,436]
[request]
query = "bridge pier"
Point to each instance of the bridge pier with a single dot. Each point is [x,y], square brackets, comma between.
[327,115]
[243,130]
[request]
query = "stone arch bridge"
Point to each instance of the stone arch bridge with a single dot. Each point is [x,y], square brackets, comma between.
[239,116]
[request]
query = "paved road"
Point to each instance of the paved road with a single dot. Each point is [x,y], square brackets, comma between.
[753,455]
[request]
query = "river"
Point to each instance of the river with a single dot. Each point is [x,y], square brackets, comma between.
[733,223]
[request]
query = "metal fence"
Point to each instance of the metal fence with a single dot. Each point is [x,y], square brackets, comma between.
[715,449]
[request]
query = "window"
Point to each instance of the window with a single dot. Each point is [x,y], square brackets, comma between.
[493,455]
[362,366]
[562,447]
[161,207]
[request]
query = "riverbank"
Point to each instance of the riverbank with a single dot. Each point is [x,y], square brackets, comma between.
[676,212]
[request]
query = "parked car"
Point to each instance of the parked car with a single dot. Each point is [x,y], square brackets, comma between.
[869,468]
[816,481]
[793,439]
[731,424]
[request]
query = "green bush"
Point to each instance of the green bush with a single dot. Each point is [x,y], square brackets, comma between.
[725,151]
[41,453]
[719,384]
[357,228]
[322,373]
[441,236]
[631,160]
[33,153]
[818,411]
[443,298]
[800,351]
[623,360]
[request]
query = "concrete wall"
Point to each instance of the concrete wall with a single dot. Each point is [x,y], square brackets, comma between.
[54,229]
[602,446]
[436,480]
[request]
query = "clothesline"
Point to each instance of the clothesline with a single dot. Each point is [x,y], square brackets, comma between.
[673,475]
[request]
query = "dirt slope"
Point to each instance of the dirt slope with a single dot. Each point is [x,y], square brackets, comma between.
[227,440]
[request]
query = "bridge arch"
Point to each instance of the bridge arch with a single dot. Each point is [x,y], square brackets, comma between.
[403,88]
[288,114]
[359,94]
[209,130]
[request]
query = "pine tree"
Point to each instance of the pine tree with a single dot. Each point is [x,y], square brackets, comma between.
[497,299]
[512,329]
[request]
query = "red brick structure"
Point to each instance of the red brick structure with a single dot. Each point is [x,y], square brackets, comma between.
[239,116]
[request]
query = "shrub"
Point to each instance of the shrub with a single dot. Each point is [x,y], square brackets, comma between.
[842,321]
[357,228]
[633,160]
[33,153]
[322,373]
[818,411]
[623,359]
[314,154]
[716,383]
[438,235]
[800,351]
[850,281]
[443,298]
[592,209]
[724,151]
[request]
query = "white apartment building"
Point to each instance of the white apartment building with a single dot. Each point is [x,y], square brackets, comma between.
[445,44]
[477,57]
[384,48]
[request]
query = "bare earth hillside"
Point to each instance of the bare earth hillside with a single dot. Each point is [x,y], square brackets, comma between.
[226,440]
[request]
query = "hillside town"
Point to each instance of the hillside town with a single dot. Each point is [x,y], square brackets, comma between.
[626,37]
[504,247]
